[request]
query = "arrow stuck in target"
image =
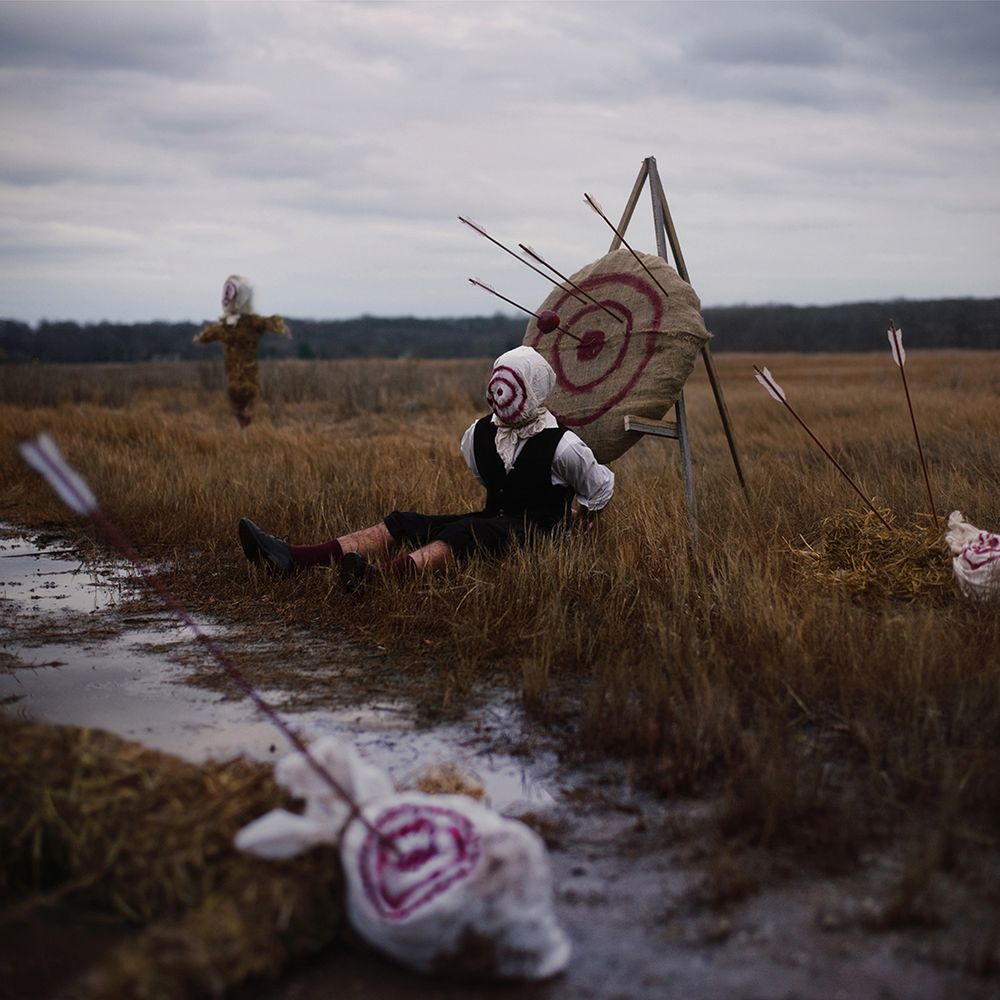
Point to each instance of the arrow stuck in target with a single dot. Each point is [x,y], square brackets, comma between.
[482,232]
[569,281]
[545,318]
[596,206]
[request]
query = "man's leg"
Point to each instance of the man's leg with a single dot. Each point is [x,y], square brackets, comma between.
[367,542]
[432,556]
[282,559]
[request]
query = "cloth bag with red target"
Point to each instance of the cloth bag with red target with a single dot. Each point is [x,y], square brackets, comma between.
[627,340]
[440,883]
[976,561]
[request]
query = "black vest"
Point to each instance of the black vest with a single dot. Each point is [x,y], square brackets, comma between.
[527,490]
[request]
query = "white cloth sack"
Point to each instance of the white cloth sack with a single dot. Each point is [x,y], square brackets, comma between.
[977,558]
[444,885]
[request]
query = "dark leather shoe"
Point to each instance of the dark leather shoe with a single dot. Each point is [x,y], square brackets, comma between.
[357,573]
[265,550]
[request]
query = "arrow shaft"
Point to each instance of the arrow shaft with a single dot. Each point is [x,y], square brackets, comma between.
[518,257]
[837,465]
[628,247]
[570,281]
[517,305]
[920,450]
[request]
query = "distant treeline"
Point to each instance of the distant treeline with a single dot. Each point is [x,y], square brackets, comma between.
[968,323]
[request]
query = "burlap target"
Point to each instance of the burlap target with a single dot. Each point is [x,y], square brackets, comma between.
[609,368]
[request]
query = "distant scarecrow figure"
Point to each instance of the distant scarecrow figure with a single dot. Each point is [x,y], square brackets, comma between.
[239,328]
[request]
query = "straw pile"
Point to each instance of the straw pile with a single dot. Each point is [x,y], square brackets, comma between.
[857,552]
[111,824]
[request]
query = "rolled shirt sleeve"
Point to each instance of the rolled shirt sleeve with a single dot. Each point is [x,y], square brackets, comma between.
[469,452]
[574,465]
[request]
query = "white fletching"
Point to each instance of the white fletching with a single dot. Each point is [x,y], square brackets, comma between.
[896,343]
[766,379]
[44,457]
[593,203]
[483,285]
[472,225]
[531,252]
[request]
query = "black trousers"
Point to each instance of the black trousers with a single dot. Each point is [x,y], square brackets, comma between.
[464,533]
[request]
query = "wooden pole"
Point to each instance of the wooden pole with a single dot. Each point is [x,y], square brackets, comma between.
[679,408]
[658,193]
[633,200]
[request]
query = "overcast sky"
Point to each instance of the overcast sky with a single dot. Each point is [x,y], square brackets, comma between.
[811,153]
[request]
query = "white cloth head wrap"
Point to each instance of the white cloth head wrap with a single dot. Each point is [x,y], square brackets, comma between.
[237,296]
[519,385]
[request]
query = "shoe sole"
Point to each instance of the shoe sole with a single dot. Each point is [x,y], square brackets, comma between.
[249,543]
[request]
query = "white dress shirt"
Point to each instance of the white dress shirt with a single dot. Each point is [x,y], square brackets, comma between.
[573,465]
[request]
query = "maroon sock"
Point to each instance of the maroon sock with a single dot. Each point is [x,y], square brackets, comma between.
[403,567]
[326,553]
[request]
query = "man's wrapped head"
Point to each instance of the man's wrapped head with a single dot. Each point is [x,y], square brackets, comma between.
[521,382]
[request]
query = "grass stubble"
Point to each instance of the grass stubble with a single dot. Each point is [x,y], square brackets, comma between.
[822,673]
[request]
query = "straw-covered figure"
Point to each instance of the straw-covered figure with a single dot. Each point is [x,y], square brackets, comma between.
[239,329]
[531,467]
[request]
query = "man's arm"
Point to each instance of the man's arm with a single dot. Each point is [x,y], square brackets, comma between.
[574,465]
[469,452]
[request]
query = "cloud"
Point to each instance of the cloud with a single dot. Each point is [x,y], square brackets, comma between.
[326,149]
[164,39]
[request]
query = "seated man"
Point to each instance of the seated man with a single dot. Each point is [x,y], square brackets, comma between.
[532,469]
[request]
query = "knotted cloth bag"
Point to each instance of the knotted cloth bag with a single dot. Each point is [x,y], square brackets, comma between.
[615,368]
[440,883]
[976,561]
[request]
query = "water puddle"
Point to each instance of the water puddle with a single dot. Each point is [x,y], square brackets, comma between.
[107,672]
[40,578]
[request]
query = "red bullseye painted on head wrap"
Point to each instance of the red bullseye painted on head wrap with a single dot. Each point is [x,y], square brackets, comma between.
[432,848]
[507,394]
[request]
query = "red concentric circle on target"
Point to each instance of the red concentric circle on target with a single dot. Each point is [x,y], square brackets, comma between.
[602,349]
[413,854]
[507,394]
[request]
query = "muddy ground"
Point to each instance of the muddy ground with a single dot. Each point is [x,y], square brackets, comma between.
[655,902]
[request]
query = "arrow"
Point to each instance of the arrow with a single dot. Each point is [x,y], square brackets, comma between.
[482,232]
[775,391]
[537,256]
[43,456]
[595,205]
[895,336]
[489,288]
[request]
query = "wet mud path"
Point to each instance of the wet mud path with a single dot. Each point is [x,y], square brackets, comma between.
[651,909]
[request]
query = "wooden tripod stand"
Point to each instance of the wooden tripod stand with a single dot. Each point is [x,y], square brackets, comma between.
[678,431]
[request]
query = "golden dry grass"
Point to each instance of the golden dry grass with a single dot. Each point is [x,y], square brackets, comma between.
[821,694]
[109,824]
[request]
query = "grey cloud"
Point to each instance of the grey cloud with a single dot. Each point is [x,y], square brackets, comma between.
[158,38]
[938,48]
[771,46]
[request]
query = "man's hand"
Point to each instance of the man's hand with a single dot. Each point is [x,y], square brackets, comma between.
[584,519]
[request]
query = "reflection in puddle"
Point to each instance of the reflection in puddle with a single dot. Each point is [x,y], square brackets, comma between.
[129,685]
[48,578]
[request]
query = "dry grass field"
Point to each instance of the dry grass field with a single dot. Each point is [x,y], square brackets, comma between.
[820,673]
